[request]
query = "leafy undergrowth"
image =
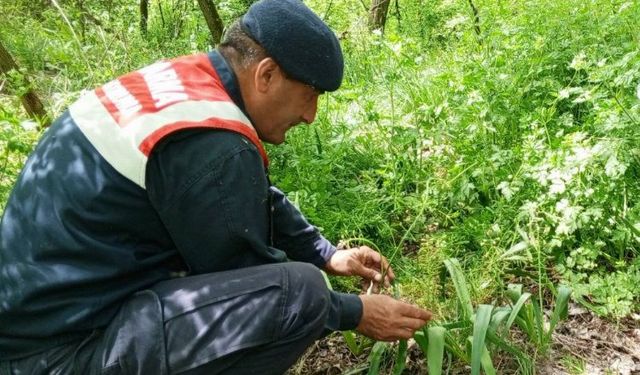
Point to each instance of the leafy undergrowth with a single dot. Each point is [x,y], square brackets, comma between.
[583,345]
[516,153]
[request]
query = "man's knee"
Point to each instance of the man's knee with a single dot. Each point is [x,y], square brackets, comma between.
[308,299]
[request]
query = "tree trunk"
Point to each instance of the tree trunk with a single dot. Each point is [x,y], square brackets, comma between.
[30,100]
[214,22]
[378,14]
[476,21]
[144,16]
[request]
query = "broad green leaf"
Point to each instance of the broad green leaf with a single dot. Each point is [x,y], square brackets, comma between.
[514,291]
[517,252]
[487,364]
[538,321]
[401,358]
[499,315]
[422,340]
[435,350]
[516,310]
[352,344]
[375,357]
[480,325]
[560,309]
[460,284]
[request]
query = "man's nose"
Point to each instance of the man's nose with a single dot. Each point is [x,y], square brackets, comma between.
[310,113]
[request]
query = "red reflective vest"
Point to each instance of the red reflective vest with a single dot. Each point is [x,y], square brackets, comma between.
[125,118]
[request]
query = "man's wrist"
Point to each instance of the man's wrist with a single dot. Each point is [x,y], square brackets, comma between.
[327,250]
[346,311]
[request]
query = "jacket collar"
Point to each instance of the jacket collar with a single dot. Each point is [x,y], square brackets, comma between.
[228,78]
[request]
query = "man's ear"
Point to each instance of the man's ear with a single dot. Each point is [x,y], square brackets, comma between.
[266,75]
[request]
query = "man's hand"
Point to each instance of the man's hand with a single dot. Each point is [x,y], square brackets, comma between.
[387,319]
[360,261]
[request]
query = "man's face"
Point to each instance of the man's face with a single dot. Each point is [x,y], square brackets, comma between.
[289,103]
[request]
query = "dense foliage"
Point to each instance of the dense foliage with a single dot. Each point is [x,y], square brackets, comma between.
[515,150]
[509,142]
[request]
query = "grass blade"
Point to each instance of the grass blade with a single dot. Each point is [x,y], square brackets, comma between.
[516,310]
[560,310]
[401,358]
[460,324]
[526,365]
[487,364]
[480,325]
[375,357]
[460,284]
[352,344]
[326,280]
[422,340]
[499,315]
[435,349]
[514,291]
[538,320]
[452,346]
[357,370]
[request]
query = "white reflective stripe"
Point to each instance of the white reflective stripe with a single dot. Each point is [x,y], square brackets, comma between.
[190,110]
[107,137]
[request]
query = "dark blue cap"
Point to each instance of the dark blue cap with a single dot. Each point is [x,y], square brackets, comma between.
[298,40]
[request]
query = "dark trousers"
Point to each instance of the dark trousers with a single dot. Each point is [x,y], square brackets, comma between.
[255,320]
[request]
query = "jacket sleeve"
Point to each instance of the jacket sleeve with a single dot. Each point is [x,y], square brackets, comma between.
[293,233]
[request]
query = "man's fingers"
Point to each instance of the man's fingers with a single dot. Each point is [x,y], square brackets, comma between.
[367,273]
[384,318]
[390,273]
[374,259]
[415,312]
[411,323]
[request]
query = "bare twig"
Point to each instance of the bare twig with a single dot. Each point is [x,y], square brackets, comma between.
[476,20]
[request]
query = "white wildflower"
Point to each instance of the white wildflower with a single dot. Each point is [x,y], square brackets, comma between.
[529,208]
[395,47]
[455,21]
[564,93]
[584,97]
[562,205]
[624,6]
[495,228]
[579,61]
[474,97]
[505,189]
[557,187]
[29,125]
[614,168]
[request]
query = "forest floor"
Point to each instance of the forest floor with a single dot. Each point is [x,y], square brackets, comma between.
[583,344]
